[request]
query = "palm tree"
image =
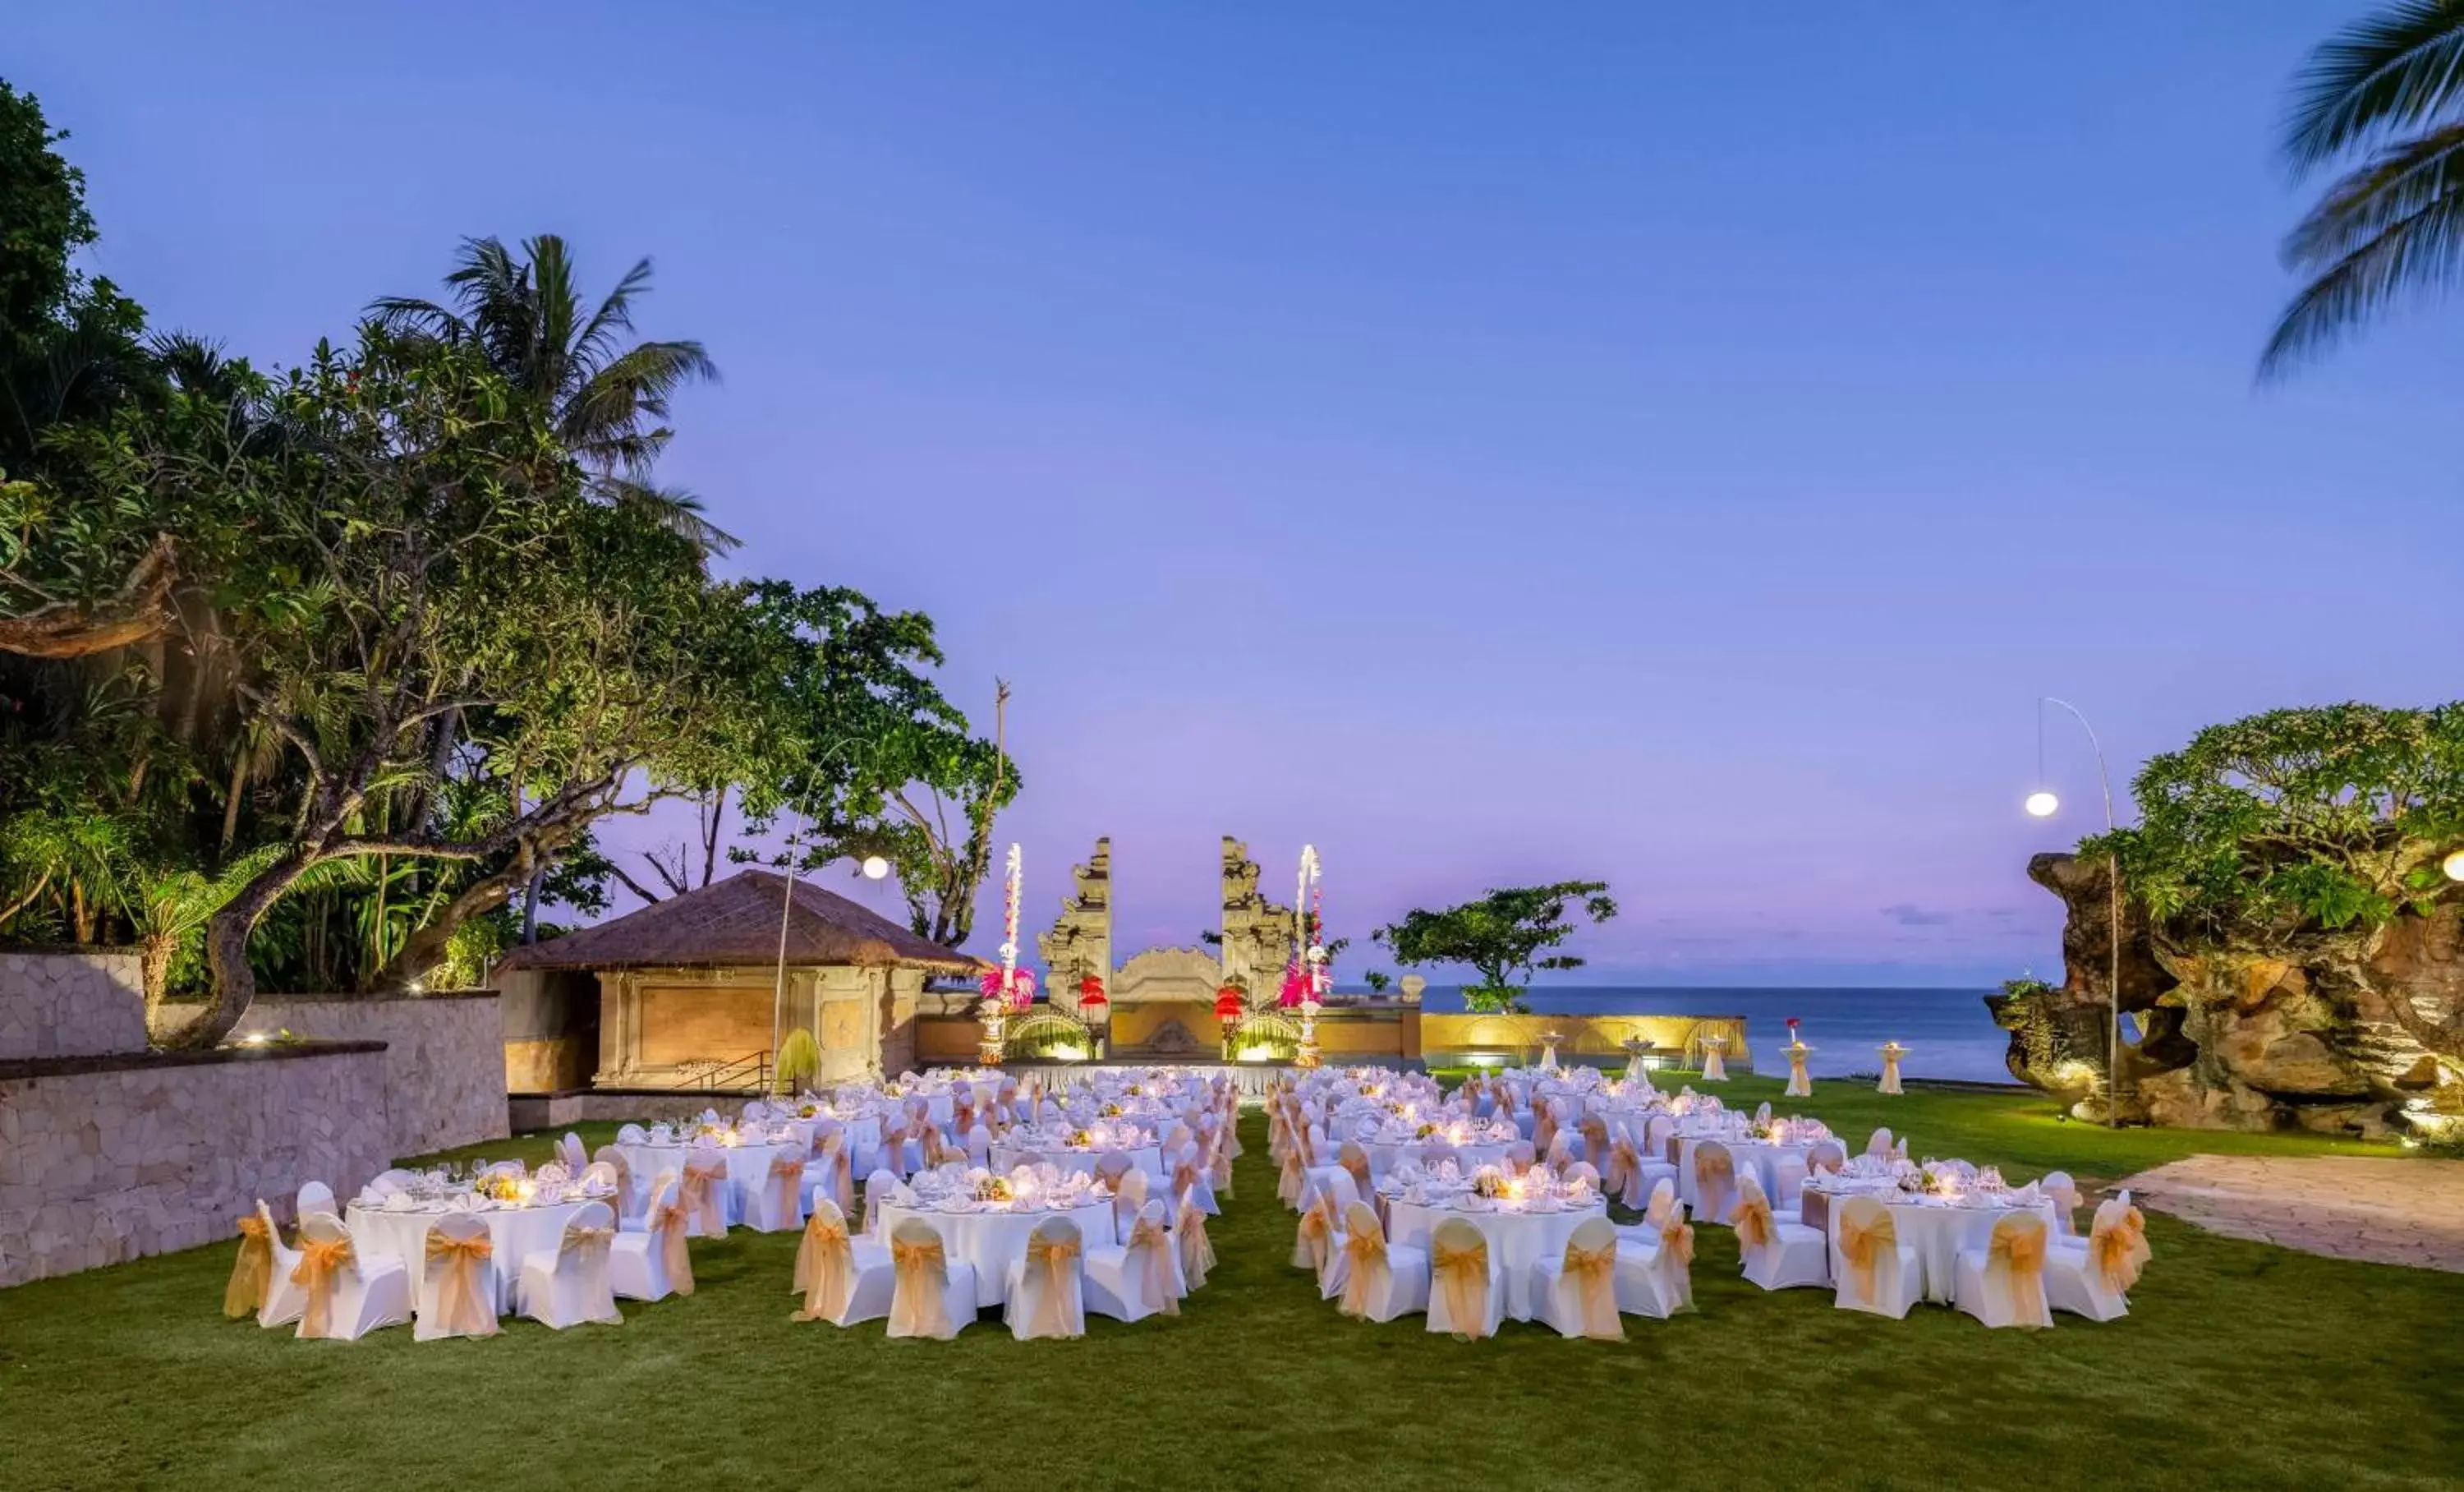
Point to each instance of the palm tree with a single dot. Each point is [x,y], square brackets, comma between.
[609,401]
[2385,95]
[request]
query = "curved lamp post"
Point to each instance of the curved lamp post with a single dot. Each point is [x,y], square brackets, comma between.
[2043,804]
[873,867]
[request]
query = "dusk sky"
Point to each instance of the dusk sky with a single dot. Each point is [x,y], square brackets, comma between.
[1671,445]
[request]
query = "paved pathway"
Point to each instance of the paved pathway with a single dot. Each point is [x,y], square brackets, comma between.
[2383,1211]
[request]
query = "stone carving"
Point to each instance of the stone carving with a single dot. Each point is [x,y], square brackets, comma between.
[2347,1034]
[1257,934]
[1166,975]
[1080,943]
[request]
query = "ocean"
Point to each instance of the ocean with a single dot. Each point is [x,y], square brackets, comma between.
[1946,1032]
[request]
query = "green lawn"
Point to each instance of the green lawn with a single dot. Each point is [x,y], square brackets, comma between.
[2242,1365]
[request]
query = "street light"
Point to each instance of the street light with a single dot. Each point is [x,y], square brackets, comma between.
[2043,804]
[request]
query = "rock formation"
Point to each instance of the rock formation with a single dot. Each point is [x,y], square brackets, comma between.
[2353,1031]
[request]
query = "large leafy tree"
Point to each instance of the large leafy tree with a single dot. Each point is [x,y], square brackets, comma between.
[607,395]
[1505,935]
[2381,102]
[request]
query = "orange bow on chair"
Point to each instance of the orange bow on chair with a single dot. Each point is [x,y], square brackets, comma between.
[1461,1273]
[2015,1268]
[320,1261]
[1056,1257]
[824,1263]
[1677,1261]
[2119,1250]
[461,1310]
[1753,1221]
[1593,1272]
[252,1272]
[922,1267]
[698,1192]
[1369,1272]
[674,1259]
[1624,1178]
[1293,1180]
[787,1184]
[1196,1251]
[1864,1246]
[1149,1235]
[1314,1243]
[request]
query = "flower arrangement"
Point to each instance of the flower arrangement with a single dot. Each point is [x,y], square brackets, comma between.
[1489,1181]
[500,1186]
[994,1188]
[1111,1111]
[1081,1140]
[1424,1131]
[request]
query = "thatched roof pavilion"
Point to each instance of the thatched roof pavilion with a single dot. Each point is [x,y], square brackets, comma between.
[734,923]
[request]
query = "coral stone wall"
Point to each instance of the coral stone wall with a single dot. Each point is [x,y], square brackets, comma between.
[83,1003]
[112,1158]
[443,1082]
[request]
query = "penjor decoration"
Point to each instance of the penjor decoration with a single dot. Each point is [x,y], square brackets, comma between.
[1009,989]
[1308,978]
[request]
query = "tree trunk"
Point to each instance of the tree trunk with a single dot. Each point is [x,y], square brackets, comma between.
[234,983]
[154,966]
[427,948]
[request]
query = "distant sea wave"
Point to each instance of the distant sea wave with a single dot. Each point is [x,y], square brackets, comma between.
[1947,1031]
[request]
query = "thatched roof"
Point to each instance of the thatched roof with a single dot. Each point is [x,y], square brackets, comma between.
[734,922]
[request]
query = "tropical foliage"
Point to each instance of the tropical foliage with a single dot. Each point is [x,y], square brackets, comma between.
[2297,822]
[2382,102]
[307,678]
[1505,935]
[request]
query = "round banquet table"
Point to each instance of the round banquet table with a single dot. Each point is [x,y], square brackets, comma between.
[1936,1232]
[863,1132]
[1754,1155]
[1007,1154]
[993,1241]
[513,1234]
[1470,1155]
[1516,1240]
[748,1168]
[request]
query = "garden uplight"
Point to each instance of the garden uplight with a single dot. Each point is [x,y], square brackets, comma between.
[2043,804]
[2454,865]
[876,867]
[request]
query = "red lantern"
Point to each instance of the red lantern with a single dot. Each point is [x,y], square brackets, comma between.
[1090,991]
[1227,1003]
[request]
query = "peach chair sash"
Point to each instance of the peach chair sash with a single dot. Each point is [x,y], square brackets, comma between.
[1056,1253]
[609,1156]
[1591,1262]
[1197,1250]
[919,1302]
[1625,1172]
[1544,1128]
[787,1183]
[1459,1269]
[840,1168]
[824,1264]
[2015,1269]
[252,1271]
[1826,1155]
[1753,1219]
[666,1220]
[1596,1140]
[1364,1243]
[2117,1245]
[1314,1242]
[894,1149]
[1147,1235]
[699,1193]
[320,1261]
[1289,1185]
[1677,1261]
[1867,1237]
[1187,1172]
[461,1309]
[1662,1204]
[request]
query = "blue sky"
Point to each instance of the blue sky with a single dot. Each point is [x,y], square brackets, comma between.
[1673,445]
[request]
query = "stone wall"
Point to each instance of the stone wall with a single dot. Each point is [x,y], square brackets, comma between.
[1446,1040]
[82,1002]
[444,1072]
[112,1158]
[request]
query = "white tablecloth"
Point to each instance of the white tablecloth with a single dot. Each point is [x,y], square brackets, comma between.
[991,1242]
[514,1233]
[1936,1232]
[1147,1158]
[1516,1240]
[1471,1156]
[1754,1156]
[748,1168]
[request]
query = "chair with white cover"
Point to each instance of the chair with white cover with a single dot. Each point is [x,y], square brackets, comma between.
[891,1153]
[632,1134]
[2064,1193]
[1190,1179]
[347,1297]
[1779,1253]
[570,1153]
[777,1204]
[1655,1261]
[1354,1159]
[1520,1157]
[1138,1277]
[1788,1184]
[1467,1284]
[628,1191]
[2094,1278]
[387,1182]
[1196,1250]
[844,1278]
[1630,1172]
[1048,1283]
[879,1188]
[285,1299]
[703,1193]
[569,1285]
[455,1292]
[1128,1198]
[1576,1291]
[1319,1235]
[1874,1270]
[979,1146]
[1111,1167]
[1878,1142]
[654,1263]
[1715,1181]
[2003,1284]
[931,1296]
[314,1196]
[1374,1280]
[1825,1155]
